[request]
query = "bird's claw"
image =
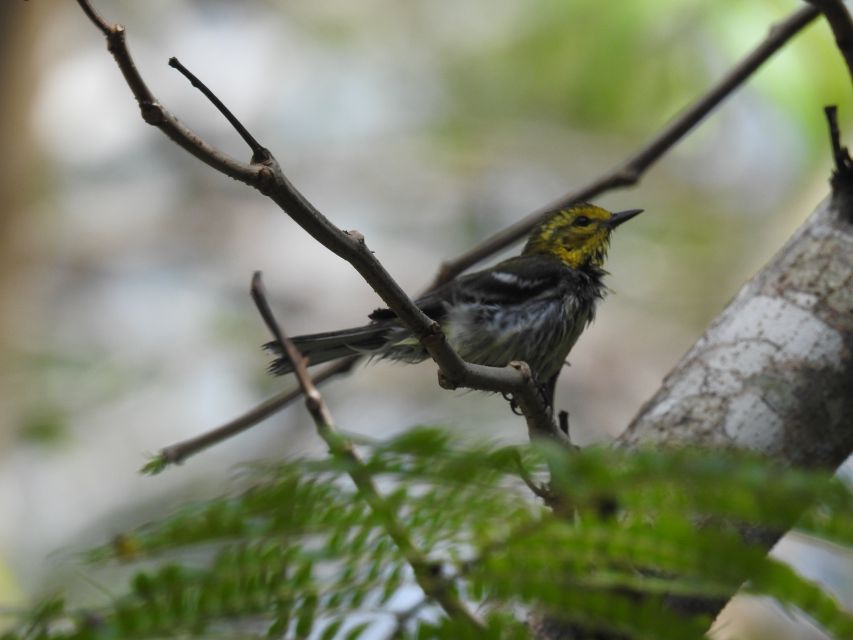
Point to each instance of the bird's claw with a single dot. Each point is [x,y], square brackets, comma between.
[513,404]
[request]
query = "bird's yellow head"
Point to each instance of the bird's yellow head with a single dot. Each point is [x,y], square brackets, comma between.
[579,235]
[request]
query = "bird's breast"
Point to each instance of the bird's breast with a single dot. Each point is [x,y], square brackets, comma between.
[540,332]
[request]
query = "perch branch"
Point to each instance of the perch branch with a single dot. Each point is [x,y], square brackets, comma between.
[267,177]
[632,170]
[434,585]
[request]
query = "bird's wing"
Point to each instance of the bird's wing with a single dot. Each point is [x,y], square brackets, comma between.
[510,282]
[515,281]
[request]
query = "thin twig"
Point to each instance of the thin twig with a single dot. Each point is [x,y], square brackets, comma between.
[180,451]
[838,17]
[269,179]
[153,112]
[434,585]
[632,170]
[259,153]
[96,19]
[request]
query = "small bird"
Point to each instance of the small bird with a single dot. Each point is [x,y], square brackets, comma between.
[532,307]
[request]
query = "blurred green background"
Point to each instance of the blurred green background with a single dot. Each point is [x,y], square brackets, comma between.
[126,324]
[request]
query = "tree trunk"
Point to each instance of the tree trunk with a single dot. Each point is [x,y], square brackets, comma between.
[774,371]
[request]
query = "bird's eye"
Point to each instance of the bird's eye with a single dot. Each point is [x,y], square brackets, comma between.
[581,221]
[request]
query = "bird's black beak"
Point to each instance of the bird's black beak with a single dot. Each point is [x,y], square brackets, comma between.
[623,216]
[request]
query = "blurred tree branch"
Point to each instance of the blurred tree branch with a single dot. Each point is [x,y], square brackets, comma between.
[264,174]
[838,17]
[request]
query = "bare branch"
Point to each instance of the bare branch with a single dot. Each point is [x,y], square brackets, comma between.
[842,175]
[179,452]
[153,112]
[631,171]
[96,19]
[428,575]
[268,178]
[259,153]
[838,17]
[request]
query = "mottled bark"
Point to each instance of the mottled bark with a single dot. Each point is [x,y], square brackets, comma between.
[774,372]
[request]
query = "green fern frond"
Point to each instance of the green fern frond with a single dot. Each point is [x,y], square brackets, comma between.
[299,551]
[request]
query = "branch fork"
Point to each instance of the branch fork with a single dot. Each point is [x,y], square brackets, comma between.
[264,174]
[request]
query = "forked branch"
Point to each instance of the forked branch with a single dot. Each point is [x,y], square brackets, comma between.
[266,175]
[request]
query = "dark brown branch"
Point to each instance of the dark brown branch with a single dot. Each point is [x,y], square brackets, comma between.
[269,179]
[842,175]
[840,154]
[632,170]
[96,19]
[153,112]
[259,153]
[434,585]
[838,17]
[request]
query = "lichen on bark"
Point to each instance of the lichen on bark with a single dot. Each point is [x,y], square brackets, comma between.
[774,372]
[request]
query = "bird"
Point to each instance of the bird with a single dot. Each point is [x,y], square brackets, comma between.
[532,307]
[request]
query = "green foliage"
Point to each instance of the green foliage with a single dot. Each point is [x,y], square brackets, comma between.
[660,54]
[46,425]
[297,552]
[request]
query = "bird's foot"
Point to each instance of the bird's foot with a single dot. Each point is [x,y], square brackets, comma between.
[513,404]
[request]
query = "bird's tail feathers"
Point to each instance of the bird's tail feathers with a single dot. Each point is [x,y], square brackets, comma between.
[323,347]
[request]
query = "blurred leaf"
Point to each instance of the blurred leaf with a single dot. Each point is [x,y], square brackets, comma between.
[46,425]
